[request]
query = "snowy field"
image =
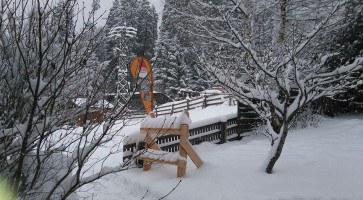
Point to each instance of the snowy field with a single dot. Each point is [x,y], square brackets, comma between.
[316,163]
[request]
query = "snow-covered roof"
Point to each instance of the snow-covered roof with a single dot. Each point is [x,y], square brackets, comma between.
[99,104]
[103,104]
[79,101]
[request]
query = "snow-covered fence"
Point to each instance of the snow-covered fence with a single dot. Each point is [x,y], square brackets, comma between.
[248,119]
[219,133]
[189,104]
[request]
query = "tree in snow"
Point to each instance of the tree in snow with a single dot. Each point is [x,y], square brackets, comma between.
[348,44]
[45,71]
[168,63]
[175,63]
[288,72]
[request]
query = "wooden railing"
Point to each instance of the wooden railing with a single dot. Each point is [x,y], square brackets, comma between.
[218,133]
[221,132]
[189,104]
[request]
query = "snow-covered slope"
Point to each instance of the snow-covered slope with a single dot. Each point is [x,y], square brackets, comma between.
[316,163]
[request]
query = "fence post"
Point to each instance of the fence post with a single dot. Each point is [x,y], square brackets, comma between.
[172,109]
[223,132]
[156,111]
[205,101]
[187,104]
[239,129]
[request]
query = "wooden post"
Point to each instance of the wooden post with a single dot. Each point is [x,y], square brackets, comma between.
[187,104]
[149,143]
[185,148]
[223,132]
[182,164]
[146,165]
[156,111]
[239,129]
[172,109]
[205,101]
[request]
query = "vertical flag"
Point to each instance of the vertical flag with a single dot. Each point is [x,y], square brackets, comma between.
[141,71]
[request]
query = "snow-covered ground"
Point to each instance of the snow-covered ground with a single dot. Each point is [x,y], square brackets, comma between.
[316,163]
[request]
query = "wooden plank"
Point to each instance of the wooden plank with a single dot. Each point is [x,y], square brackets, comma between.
[182,168]
[192,154]
[150,143]
[182,164]
[146,165]
[197,103]
[156,160]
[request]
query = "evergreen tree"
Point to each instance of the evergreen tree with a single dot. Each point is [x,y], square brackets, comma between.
[168,66]
[176,62]
[130,13]
[347,44]
[147,29]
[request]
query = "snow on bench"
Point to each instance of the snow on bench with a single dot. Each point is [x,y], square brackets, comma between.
[178,125]
[166,122]
[154,155]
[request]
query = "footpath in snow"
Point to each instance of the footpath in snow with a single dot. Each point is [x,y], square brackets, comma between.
[316,163]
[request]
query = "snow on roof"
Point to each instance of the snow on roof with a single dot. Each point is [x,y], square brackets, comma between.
[103,104]
[99,104]
[79,101]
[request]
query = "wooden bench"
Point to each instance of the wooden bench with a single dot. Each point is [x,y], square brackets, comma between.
[153,153]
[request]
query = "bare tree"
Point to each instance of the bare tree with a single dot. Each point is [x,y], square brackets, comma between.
[290,71]
[44,66]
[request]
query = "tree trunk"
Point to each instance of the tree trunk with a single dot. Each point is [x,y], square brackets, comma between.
[282,20]
[276,149]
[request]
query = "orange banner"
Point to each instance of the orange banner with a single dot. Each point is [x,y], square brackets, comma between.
[141,71]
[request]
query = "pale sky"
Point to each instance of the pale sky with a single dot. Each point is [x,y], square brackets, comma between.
[106,5]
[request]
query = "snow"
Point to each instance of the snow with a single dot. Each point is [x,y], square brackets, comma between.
[99,104]
[160,155]
[316,163]
[172,122]
[198,117]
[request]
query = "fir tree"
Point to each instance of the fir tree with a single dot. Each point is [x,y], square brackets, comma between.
[176,62]
[131,13]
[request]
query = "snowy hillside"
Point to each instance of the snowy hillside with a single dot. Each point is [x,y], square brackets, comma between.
[317,163]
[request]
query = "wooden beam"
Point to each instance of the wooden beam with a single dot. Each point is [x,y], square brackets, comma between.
[192,154]
[150,143]
[146,165]
[156,160]
[182,168]
[182,164]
